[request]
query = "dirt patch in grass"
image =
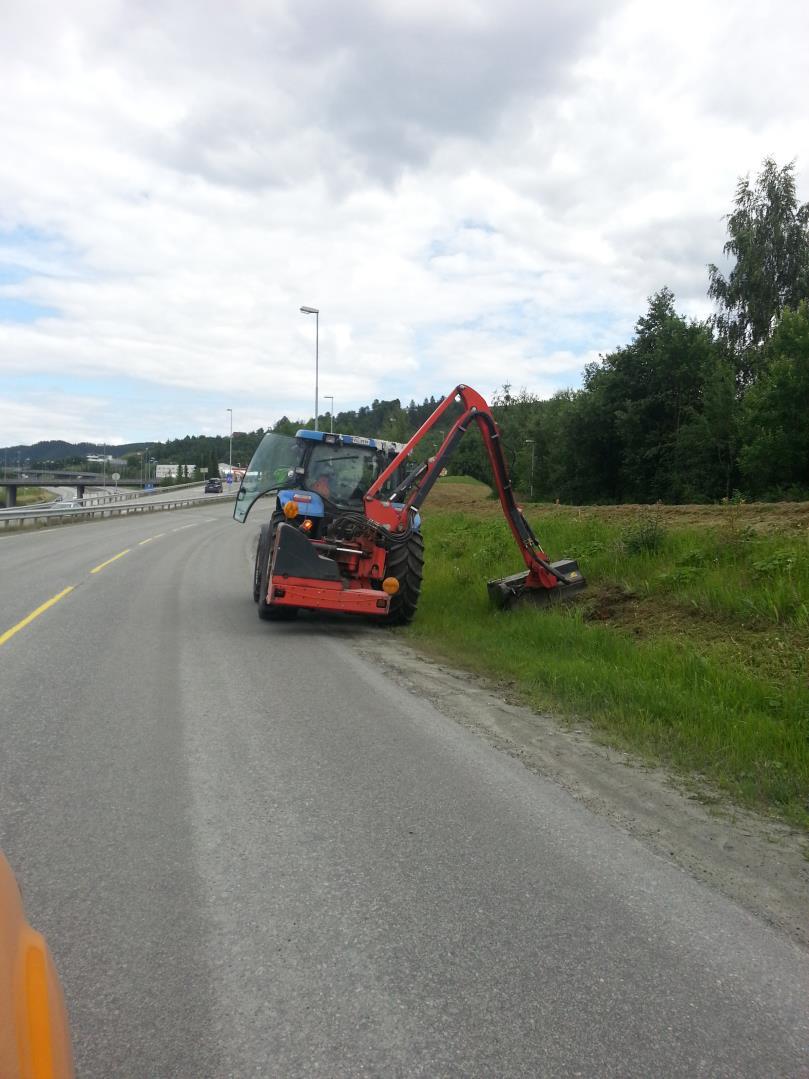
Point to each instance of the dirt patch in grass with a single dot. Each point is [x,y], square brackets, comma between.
[612,603]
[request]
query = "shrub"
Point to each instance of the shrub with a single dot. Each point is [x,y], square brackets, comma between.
[645,536]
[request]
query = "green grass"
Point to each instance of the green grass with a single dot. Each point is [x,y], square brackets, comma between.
[28,496]
[689,646]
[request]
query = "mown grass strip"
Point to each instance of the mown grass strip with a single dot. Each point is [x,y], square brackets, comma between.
[701,666]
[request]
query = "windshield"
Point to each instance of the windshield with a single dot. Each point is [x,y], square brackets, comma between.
[343,474]
[272,466]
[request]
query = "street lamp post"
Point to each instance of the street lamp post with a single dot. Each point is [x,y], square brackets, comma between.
[316,312]
[530,442]
[330,397]
[230,450]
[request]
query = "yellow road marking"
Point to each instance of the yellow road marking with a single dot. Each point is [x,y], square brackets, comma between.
[34,614]
[9,633]
[109,560]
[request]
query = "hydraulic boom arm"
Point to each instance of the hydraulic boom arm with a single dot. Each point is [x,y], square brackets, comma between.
[543,580]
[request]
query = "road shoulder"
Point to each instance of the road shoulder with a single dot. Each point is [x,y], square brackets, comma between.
[756,861]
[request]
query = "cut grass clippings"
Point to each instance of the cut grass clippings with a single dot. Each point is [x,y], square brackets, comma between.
[689,646]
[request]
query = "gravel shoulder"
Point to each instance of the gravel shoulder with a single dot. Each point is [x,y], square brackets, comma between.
[761,864]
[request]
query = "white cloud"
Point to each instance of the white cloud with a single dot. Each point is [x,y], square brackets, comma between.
[473,192]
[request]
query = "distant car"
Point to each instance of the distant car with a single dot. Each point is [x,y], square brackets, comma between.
[213,487]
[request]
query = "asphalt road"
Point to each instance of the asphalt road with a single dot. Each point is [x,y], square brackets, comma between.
[252,855]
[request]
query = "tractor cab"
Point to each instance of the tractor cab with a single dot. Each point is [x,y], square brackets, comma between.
[336,470]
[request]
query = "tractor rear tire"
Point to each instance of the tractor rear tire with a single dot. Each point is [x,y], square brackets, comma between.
[269,612]
[406,564]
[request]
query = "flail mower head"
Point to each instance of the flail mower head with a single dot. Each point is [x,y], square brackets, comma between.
[524,588]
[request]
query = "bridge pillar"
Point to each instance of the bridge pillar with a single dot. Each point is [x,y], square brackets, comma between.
[79,490]
[11,496]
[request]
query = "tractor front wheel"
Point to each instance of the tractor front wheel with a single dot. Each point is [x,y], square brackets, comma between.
[406,564]
[262,556]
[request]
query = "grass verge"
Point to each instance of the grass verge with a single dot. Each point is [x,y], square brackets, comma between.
[28,496]
[689,647]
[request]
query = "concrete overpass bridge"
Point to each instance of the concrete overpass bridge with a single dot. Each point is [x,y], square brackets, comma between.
[33,477]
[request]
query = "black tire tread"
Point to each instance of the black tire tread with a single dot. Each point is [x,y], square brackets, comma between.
[406,564]
[262,554]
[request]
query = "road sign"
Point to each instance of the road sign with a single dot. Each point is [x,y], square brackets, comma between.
[116,476]
[229,478]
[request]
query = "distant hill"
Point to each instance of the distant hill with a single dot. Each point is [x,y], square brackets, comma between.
[58,450]
[386,419]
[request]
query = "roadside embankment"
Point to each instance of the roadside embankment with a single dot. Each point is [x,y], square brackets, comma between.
[690,647]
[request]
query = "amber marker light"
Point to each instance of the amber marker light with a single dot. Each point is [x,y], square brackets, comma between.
[290,510]
[390,585]
[306,526]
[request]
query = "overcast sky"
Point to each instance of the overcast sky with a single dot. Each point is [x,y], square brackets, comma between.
[470,191]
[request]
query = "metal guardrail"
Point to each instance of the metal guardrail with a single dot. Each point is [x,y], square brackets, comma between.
[122,495]
[52,514]
[116,496]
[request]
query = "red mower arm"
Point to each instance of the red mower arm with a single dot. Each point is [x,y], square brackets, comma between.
[541,573]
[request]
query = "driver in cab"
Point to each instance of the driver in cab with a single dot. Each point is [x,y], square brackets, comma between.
[325,480]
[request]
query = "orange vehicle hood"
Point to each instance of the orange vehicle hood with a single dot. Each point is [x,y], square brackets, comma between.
[34,1036]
